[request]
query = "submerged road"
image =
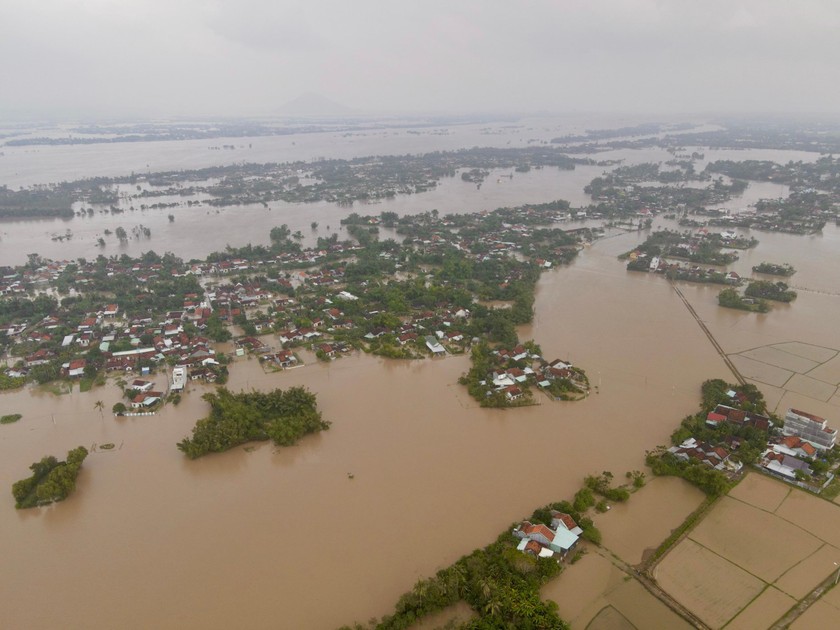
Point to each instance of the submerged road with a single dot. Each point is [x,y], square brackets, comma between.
[709,334]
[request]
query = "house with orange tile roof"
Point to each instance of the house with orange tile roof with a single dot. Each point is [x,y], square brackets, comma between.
[559,541]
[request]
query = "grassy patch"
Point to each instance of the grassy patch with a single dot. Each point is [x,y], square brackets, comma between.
[832,490]
[10,418]
[58,388]
[85,384]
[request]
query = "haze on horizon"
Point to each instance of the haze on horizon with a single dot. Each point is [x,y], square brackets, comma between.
[153,58]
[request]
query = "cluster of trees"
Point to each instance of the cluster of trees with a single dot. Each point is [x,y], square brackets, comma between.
[282,416]
[365,234]
[712,482]
[821,174]
[51,480]
[730,298]
[602,485]
[53,200]
[10,382]
[774,269]
[715,392]
[763,289]
[15,308]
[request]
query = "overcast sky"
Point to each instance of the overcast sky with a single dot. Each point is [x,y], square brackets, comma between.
[249,57]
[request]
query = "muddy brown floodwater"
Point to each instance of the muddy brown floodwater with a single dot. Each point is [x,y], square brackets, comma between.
[270,538]
[282,538]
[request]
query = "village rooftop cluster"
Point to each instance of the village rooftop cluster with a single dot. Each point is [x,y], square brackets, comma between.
[432,295]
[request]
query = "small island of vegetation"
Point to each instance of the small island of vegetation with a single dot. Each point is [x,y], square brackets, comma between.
[51,480]
[730,298]
[282,416]
[10,418]
[774,269]
[777,291]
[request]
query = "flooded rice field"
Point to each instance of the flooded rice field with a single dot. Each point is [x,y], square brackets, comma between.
[634,529]
[732,566]
[594,593]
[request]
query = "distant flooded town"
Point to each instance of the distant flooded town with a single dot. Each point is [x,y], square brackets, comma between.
[548,375]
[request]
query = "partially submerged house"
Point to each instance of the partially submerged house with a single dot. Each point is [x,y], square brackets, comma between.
[434,346]
[550,541]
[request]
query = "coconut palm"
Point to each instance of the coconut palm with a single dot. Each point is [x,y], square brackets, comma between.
[99,405]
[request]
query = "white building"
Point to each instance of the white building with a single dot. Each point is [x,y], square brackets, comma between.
[810,428]
[179,378]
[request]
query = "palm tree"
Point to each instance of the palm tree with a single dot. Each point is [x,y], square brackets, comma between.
[420,590]
[493,607]
[99,405]
[486,587]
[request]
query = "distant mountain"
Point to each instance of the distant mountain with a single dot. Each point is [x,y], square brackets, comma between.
[311,105]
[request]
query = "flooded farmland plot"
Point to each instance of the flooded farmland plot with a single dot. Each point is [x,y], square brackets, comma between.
[594,593]
[735,555]
[763,610]
[638,526]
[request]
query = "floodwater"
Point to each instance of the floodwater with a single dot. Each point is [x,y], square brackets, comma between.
[637,527]
[28,165]
[200,230]
[263,538]
[269,538]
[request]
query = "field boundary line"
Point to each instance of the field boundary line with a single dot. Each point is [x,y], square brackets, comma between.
[712,551]
[805,603]
[650,585]
[760,508]
[787,496]
[749,603]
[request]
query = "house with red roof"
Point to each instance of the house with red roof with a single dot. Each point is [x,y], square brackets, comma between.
[75,368]
[561,540]
[561,519]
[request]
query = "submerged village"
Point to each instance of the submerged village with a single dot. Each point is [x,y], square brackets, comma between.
[458,284]
[427,287]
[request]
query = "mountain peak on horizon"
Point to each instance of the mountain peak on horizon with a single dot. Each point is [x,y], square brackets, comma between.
[312,104]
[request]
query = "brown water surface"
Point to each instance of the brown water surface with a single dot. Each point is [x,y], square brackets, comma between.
[273,538]
[262,538]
